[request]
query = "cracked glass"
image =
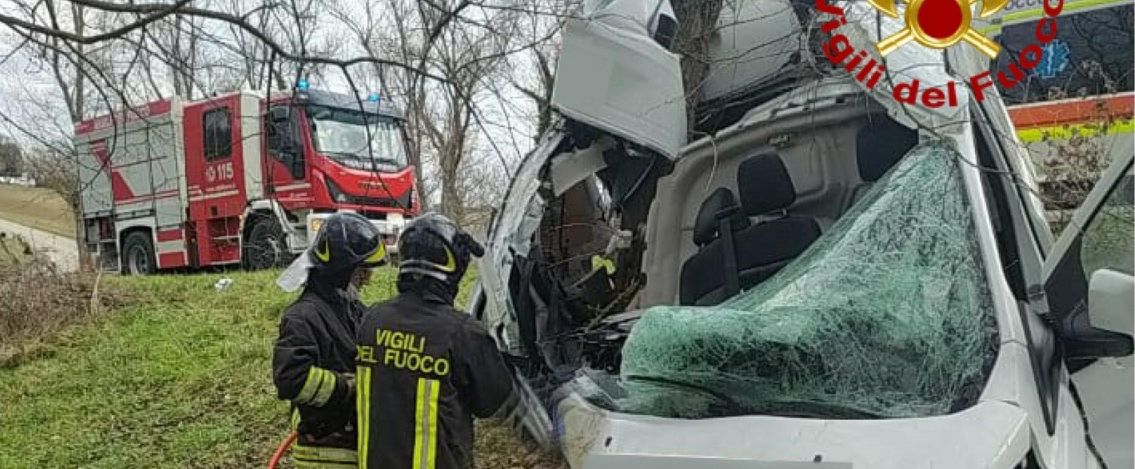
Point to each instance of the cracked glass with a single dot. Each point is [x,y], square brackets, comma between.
[887,315]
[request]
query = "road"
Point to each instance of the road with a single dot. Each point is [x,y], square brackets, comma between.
[60,249]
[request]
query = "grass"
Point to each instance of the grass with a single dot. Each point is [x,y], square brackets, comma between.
[178,378]
[38,208]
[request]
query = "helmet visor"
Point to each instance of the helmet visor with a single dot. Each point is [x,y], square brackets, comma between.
[295,276]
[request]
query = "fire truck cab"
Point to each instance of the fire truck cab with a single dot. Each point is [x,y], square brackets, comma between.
[238,178]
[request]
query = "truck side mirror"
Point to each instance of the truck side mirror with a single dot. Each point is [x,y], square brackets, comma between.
[280,114]
[296,165]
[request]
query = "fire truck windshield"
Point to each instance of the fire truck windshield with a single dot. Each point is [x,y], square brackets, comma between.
[342,136]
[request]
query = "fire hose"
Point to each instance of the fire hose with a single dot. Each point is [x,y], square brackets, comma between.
[283,448]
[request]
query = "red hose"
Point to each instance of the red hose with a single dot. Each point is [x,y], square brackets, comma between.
[283,448]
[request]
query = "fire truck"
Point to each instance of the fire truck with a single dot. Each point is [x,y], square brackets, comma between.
[239,178]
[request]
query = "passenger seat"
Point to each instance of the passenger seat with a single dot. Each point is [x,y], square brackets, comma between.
[878,146]
[760,250]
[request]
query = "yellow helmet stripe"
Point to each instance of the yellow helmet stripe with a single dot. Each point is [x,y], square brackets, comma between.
[377,255]
[450,262]
[323,251]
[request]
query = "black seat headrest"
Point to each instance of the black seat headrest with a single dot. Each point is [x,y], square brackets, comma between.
[705,225]
[765,185]
[881,144]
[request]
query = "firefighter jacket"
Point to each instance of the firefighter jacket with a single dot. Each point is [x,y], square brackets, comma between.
[424,371]
[313,363]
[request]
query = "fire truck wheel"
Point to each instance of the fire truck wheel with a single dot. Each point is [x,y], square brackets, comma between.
[265,246]
[138,254]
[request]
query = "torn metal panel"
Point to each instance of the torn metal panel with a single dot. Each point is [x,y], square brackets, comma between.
[511,235]
[612,75]
[744,58]
[569,170]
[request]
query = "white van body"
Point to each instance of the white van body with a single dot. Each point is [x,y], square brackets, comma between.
[1038,401]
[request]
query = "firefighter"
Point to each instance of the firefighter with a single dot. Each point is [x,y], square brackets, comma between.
[426,369]
[313,360]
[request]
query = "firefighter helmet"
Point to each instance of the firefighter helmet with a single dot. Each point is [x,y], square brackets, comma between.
[345,242]
[433,247]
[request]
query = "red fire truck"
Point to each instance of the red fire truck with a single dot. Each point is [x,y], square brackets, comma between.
[238,178]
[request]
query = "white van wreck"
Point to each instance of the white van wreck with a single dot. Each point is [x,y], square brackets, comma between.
[826,278]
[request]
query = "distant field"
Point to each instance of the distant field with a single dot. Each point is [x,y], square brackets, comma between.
[38,208]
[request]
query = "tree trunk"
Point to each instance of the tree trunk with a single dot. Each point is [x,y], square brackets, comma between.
[450,196]
[85,264]
[80,29]
[78,107]
[176,63]
[414,146]
[697,20]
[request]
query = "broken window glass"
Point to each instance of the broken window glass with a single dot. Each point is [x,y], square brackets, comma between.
[887,315]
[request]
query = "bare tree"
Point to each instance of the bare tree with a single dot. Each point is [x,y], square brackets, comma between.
[11,158]
[541,94]
[443,60]
[470,49]
[1076,156]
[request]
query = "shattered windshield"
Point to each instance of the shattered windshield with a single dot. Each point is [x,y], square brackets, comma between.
[887,315]
[342,136]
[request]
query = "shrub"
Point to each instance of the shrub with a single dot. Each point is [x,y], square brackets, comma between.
[37,301]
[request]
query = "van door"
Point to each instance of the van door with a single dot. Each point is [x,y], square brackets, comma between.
[1091,298]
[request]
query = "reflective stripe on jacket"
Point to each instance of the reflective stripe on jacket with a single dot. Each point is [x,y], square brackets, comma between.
[324,457]
[313,364]
[424,371]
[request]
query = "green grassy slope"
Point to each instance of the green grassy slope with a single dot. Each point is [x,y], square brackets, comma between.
[178,379]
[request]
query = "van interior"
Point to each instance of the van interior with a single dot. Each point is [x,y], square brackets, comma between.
[644,231]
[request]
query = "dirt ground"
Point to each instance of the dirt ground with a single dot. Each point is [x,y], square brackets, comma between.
[497,447]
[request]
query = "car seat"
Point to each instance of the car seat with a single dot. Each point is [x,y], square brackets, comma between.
[758,250]
[878,146]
